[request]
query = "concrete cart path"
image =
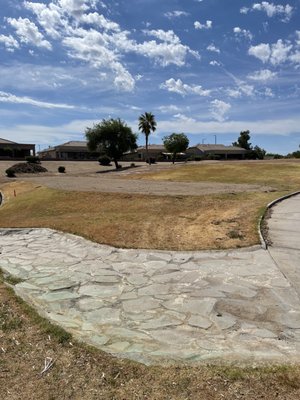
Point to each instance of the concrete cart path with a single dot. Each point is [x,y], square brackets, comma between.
[284,233]
[161,305]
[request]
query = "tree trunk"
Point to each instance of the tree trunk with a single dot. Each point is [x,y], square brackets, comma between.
[116,163]
[174,158]
[147,153]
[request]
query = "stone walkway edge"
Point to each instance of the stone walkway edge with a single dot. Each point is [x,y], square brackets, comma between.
[154,306]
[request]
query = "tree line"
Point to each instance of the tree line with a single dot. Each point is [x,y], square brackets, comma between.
[113,138]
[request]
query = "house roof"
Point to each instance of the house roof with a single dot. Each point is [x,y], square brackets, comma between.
[218,148]
[5,141]
[74,143]
[15,144]
[160,147]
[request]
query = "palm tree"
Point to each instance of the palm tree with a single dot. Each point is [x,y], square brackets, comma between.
[147,124]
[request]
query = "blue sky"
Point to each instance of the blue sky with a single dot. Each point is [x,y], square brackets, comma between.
[208,68]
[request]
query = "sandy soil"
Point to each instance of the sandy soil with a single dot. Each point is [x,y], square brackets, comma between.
[90,177]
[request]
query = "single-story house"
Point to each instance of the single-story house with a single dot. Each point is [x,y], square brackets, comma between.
[13,150]
[157,152]
[73,150]
[216,150]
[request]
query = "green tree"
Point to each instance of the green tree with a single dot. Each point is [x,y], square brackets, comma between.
[258,153]
[111,137]
[147,124]
[254,153]
[176,143]
[243,140]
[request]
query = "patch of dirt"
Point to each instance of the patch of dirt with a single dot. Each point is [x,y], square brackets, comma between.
[87,177]
[26,168]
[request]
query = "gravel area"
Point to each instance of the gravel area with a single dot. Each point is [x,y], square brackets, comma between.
[89,176]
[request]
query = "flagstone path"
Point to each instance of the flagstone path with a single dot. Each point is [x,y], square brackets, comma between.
[154,306]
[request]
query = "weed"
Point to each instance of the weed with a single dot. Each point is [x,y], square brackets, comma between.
[234,234]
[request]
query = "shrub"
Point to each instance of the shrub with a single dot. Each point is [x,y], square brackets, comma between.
[61,169]
[104,160]
[132,165]
[151,160]
[10,173]
[198,158]
[33,160]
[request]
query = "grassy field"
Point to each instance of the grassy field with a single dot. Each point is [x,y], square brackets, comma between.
[139,221]
[283,175]
[80,372]
[217,221]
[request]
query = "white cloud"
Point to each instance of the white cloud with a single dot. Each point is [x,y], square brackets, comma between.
[269,93]
[262,75]
[218,109]
[100,21]
[285,11]
[176,14]
[170,51]
[244,10]
[49,17]
[234,93]
[215,63]
[242,88]
[260,127]
[276,53]
[28,32]
[261,51]
[295,57]
[11,98]
[102,46]
[169,109]
[165,36]
[9,42]
[213,48]
[280,51]
[93,47]
[181,88]
[76,7]
[239,32]
[184,118]
[207,25]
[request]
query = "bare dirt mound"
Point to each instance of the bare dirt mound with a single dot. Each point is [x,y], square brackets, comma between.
[26,168]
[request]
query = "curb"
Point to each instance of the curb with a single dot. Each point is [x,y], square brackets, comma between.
[263,242]
[1,198]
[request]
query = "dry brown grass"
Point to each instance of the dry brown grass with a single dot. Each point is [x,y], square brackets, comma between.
[282,174]
[80,372]
[139,221]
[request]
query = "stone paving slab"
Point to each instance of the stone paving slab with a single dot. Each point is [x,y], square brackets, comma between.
[158,305]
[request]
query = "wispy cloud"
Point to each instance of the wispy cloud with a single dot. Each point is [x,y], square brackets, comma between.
[11,98]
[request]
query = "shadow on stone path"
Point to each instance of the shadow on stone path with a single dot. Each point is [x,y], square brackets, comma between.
[239,305]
